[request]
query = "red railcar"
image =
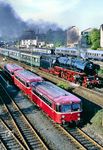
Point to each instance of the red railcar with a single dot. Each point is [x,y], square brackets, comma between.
[24,78]
[60,105]
[11,68]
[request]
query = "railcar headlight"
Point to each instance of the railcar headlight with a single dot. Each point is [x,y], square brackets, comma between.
[63,116]
[78,118]
[63,121]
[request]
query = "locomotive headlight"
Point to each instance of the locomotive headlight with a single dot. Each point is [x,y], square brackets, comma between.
[87,79]
[63,116]
[78,114]
[96,78]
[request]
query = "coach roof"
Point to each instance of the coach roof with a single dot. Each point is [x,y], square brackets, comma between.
[13,67]
[55,93]
[28,76]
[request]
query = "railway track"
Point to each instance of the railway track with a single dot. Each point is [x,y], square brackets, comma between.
[6,116]
[8,139]
[81,140]
[2,146]
[29,134]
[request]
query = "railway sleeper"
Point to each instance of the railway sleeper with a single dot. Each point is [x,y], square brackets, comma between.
[35,141]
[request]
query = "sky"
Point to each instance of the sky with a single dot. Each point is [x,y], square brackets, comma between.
[65,13]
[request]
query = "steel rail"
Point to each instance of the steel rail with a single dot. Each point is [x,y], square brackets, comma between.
[12,124]
[80,138]
[8,138]
[2,145]
[32,139]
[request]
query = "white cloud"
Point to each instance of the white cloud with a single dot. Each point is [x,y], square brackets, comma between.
[43,9]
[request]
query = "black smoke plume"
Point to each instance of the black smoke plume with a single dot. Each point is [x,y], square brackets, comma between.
[11,25]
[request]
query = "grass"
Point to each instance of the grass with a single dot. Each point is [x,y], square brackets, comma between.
[97,123]
[65,86]
[100,72]
[97,120]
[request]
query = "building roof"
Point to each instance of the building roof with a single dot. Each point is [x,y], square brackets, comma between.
[95,51]
[101,26]
[65,49]
[87,30]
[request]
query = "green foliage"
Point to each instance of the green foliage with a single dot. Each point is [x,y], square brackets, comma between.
[95,44]
[64,85]
[94,38]
[100,72]
[88,40]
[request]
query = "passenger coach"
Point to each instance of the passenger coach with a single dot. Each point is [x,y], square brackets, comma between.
[31,59]
[24,78]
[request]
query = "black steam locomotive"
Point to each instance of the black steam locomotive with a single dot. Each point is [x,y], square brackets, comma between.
[76,64]
[72,69]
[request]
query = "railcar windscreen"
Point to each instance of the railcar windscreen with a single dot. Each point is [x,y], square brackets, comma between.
[68,107]
[63,108]
[76,106]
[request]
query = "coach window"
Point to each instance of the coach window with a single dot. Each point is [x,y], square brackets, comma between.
[17,77]
[24,57]
[46,101]
[27,84]
[58,108]
[36,60]
[43,98]
[28,58]
[20,80]
[12,73]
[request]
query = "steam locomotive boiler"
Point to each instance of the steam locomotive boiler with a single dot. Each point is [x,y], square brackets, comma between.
[80,65]
[75,70]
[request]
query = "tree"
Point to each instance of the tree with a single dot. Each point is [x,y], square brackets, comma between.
[94,38]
